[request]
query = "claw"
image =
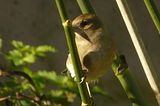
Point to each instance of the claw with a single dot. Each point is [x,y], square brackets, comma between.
[84,76]
[83,79]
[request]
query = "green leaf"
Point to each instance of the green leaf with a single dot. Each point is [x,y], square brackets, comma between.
[17,44]
[58,96]
[16,57]
[25,86]
[9,87]
[28,71]
[29,58]
[23,54]
[59,80]
[40,83]
[41,50]
[26,103]
[45,48]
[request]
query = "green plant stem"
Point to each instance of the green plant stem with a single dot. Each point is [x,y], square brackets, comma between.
[149,69]
[125,78]
[123,74]
[82,86]
[153,11]
[85,6]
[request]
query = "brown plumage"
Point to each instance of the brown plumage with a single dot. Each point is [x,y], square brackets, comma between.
[95,47]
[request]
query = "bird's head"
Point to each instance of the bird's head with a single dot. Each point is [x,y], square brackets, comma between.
[86,22]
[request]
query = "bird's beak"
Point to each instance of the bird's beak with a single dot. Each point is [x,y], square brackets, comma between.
[81,33]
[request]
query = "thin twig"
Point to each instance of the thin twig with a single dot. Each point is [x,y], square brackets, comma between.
[20,96]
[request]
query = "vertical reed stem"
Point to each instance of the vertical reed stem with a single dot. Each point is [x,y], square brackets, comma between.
[148,67]
[82,85]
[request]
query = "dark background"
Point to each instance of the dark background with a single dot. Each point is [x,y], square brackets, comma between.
[37,22]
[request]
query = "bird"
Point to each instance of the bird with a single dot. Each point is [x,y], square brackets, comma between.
[96,48]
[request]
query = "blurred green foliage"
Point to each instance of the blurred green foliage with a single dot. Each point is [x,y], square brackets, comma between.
[26,54]
[21,86]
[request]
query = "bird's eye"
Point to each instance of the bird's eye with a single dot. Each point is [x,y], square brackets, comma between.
[83,23]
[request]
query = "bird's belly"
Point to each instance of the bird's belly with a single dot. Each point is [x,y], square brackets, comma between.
[83,45]
[102,63]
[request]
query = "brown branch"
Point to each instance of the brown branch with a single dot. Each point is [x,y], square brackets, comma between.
[38,99]
[19,96]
